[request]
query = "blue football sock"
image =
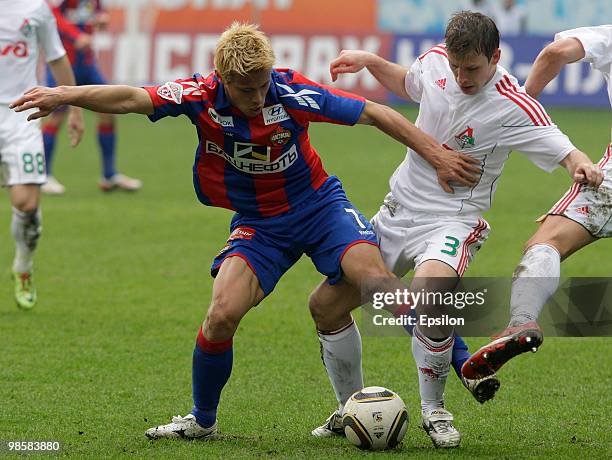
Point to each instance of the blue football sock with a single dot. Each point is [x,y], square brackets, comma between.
[106,139]
[49,136]
[210,373]
[460,354]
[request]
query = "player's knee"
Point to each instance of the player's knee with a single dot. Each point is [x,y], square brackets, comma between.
[552,241]
[26,205]
[316,306]
[107,118]
[221,321]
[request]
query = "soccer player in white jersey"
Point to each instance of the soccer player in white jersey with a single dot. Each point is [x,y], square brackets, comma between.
[580,217]
[26,25]
[470,103]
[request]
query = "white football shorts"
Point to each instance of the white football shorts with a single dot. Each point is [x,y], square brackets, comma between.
[591,208]
[407,239]
[22,156]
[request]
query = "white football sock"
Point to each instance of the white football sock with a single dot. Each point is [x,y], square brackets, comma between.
[341,354]
[26,229]
[433,361]
[535,280]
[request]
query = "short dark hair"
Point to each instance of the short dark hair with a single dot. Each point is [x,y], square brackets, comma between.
[469,32]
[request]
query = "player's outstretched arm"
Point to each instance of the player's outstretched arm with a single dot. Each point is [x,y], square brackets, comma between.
[99,98]
[550,61]
[450,166]
[63,74]
[581,169]
[388,74]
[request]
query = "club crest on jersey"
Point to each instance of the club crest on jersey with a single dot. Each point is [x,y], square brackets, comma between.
[274,114]
[280,136]
[26,28]
[219,119]
[171,91]
[465,138]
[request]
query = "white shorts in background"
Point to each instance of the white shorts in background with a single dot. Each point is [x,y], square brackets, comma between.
[591,208]
[22,156]
[407,239]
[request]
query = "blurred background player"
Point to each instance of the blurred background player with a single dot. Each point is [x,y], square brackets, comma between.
[511,19]
[26,25]
[254,157]
[77,20]
[469,102]
[583,215]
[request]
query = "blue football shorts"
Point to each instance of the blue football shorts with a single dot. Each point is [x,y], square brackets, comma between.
[324,227]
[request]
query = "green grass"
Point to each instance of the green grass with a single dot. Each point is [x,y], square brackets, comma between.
[123,285]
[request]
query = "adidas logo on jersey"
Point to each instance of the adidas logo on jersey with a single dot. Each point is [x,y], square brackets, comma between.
[441,83]
[302,97]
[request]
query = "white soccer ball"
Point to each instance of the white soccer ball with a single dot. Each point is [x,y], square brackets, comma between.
[375,418]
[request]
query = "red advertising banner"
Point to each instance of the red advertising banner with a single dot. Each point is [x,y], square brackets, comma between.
[150,44]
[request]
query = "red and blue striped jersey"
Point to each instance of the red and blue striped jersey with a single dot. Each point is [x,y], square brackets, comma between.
[75,17]
[261,166]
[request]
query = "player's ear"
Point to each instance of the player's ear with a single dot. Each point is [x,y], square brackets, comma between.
[496,56]
[218,75]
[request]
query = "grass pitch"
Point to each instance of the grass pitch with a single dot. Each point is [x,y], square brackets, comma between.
[124,283]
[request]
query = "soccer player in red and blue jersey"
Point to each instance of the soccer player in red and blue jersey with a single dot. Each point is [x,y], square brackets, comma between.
[254,157]
[76,21]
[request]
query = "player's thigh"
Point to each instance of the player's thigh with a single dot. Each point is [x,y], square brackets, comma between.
[434,275]
[235,291]
[361,262]
[564,234]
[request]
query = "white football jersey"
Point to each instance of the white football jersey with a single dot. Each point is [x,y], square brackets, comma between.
[24,26]
[597,44]
[500,118]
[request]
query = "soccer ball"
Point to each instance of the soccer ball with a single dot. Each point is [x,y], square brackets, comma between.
[375,418]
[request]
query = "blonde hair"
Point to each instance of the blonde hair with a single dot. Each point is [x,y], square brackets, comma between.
[243,49]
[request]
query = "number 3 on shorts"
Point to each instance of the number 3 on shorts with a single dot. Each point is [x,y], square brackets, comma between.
[32,163]
[453,244]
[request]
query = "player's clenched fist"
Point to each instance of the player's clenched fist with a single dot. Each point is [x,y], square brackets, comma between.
[44,99]
[349,61]
[588,174]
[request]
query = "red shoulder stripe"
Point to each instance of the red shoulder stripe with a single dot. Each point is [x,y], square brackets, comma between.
[517,102]
[535,105]
[435,49]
